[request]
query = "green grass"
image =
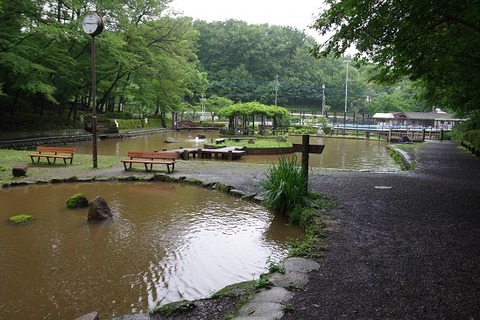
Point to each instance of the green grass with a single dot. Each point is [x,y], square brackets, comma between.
[81,162]
[285,187]
[259,143]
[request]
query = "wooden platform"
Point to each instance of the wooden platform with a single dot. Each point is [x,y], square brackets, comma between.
[225,153]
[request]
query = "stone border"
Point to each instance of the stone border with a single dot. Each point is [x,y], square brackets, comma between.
[162,177]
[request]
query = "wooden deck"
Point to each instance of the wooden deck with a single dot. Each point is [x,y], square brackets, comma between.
[225,153]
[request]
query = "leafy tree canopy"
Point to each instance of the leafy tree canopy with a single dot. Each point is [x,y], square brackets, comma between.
[253,109]
[145,59]
[434,42]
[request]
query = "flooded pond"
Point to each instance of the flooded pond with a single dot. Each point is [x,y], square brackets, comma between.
[167,242]
[351,154]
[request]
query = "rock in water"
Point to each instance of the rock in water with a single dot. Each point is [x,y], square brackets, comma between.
[171,140]
[98,210]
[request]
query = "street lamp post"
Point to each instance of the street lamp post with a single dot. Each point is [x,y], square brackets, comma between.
[347,61]
[93,25]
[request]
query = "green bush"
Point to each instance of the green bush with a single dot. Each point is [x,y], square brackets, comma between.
[285,186]
[23,121]
[213,124]
[302,130]
[473,138]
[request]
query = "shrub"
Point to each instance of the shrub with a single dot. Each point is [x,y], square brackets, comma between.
[285,186]
[473,138]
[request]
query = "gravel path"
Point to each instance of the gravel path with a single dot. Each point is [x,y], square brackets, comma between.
[403,245]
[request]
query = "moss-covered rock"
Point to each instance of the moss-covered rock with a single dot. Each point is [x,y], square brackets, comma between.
[78,200]
[21,218]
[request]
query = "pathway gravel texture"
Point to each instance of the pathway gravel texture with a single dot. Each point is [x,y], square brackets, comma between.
[402,245]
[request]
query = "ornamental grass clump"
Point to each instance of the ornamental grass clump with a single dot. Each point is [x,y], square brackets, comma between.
[285,187]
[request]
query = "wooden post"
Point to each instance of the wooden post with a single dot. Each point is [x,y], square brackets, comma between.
[305,147]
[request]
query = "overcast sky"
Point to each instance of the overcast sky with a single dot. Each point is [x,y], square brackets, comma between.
[298,13]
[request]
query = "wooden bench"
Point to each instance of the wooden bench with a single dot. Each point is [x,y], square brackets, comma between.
[53,153]
[151,158]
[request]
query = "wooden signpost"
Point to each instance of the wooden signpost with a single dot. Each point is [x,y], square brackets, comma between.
[305,148]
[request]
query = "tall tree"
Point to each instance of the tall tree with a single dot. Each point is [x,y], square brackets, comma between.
[432,41]
[144,57]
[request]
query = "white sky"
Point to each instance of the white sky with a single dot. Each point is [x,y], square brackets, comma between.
[299,14]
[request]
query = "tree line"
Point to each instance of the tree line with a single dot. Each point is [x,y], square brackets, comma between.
[150,63]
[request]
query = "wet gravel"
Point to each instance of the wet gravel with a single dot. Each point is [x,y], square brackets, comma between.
[404,245]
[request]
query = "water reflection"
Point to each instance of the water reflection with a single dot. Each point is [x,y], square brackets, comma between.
[166,242]
[352,154]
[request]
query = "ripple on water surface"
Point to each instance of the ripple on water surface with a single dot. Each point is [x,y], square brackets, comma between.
[166,242]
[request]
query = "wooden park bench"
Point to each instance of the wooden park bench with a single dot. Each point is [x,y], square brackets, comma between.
[151,158]
[53,153]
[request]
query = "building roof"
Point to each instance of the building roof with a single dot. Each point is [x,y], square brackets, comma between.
[433,115]
[381,115]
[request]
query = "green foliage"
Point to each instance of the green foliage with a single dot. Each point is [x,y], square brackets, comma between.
[263,282]
[236,289]
[124,124]
[275,267]
[472,137]
[266,57]
[250,110]
[26,121]
[212,124]
[431,43]
[78,200]
[18,219]
[399,158]
[302,130]
[267,143]
[145,61]
[174,308]
[311,246]
[285,186]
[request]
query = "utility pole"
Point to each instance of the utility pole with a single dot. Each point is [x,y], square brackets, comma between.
[276,89]
[347,61]
[323,100]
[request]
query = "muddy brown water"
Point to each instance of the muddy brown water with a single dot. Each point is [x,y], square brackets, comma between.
[166,242]
[347,154]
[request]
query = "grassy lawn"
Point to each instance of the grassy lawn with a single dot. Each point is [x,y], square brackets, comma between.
[268,143]
[81,163]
